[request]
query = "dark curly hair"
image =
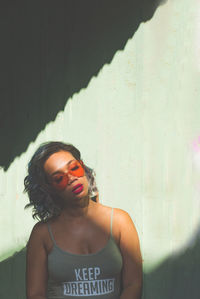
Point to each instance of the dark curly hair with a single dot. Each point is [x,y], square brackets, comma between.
[45,201]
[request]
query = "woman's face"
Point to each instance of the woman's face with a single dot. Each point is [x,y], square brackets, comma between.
[66,175]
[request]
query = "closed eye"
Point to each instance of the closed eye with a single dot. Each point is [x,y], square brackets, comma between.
[58,179]
[75,168]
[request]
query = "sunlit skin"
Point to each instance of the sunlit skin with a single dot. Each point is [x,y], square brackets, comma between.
[59,163]
[61,179]
[83,227]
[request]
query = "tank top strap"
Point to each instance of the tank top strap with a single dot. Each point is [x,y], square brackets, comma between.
[50,232]
[111,219]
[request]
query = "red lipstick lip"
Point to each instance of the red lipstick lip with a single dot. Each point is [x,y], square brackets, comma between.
[77,186]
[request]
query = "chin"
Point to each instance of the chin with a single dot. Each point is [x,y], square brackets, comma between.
[82,195]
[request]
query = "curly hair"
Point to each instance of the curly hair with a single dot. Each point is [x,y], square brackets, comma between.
[45,201]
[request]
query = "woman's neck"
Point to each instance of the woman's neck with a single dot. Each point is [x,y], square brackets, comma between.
[77,211]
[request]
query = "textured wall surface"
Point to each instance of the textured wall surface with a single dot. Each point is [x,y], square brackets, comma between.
[136,122]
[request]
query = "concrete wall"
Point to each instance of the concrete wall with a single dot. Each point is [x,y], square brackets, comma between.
[125,91]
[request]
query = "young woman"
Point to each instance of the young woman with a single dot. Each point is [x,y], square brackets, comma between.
[79,248]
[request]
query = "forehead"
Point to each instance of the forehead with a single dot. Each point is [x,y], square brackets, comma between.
[57,161]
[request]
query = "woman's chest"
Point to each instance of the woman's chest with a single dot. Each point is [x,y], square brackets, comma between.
[103,264]
[85,239]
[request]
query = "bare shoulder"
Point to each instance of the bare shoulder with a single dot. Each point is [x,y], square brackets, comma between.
[39,228]
[122,216]
[100,208]
[39,232]
[124,222]
[119,214]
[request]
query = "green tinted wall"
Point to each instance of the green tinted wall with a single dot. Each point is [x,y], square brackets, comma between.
[136,121]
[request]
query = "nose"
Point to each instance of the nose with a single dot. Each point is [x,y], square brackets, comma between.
[71,178]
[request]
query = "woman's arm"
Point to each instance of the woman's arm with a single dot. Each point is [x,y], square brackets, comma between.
[132,260]
[36,264]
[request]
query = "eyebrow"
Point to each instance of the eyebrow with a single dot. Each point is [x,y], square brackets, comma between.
[59,171]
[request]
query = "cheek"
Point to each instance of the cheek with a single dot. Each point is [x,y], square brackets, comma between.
[61,185]
[65,194]
[86,182]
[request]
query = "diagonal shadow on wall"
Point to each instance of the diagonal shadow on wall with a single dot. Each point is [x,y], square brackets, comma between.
[49,51]
[177,277]
[12,276]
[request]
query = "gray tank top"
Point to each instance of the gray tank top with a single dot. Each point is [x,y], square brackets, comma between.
[94,276]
